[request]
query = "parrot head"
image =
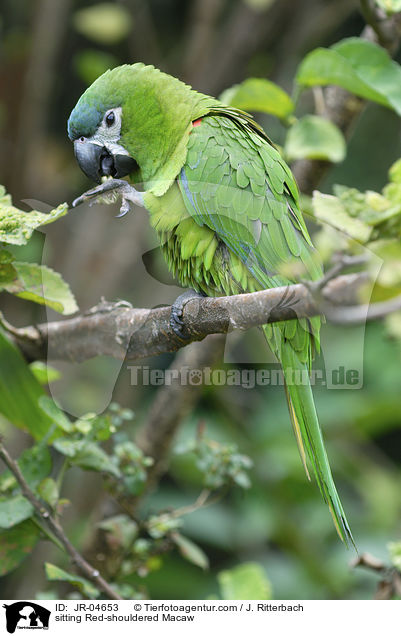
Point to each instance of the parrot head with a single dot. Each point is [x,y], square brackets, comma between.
[130,121]
[95,127]
[100,153]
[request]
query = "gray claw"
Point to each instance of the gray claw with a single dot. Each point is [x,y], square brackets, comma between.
[124,209]
[116,187]
[177,310]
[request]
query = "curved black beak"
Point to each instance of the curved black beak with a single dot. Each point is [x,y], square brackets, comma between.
[96,161]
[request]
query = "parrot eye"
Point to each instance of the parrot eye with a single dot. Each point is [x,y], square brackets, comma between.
[110,119]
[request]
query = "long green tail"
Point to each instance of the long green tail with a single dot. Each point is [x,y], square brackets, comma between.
[309,436]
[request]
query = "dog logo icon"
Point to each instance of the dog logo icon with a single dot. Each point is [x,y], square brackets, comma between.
[26,615]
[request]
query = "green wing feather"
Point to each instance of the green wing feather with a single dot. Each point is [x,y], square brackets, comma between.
[235,182]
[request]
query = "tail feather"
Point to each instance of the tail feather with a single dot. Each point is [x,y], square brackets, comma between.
[297,431]
[309,437]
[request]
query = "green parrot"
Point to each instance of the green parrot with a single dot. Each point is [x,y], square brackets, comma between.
[224,205]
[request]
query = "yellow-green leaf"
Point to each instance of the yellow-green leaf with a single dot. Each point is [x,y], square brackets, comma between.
[42,285]
[44,373]
[260,95]
[105,23]
[190,551]
[247,581]
[395,554]
[53,411]
[16,226]
[314,137]
[54,573]
[7,270]
[329,209]
[90,64]
[389,6]
[48,491]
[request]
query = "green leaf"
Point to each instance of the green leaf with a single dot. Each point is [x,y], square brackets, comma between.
[329,209]
[395,172]
[247,581]
[54,573]
[53,411]
[20,392]
[389,6]
[16,226]
[48,491]
[314,137]
[389,276]
[15,545]
[68,447]
[259,95]
[105,22]
[259,5]
[90,64]
[393,328]
[87,455]
[35,464]
[7,270]
[395,554]
[95,458]
[122,530]
[13,510]
[44,373]
[359,66]
[42,285]
[190,551]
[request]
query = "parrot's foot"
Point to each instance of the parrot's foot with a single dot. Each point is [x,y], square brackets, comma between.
[177,310]
[109,190]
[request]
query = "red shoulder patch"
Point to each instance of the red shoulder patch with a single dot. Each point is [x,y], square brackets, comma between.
[197,122]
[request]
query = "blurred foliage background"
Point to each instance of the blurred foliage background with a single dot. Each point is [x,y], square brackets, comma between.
[50,51]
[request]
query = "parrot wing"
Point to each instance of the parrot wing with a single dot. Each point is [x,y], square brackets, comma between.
[235,182]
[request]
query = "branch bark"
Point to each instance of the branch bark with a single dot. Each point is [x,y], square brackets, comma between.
[172,404]
[124,332]
[45,515]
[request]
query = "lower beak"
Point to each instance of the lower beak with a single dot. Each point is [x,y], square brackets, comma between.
[96,161]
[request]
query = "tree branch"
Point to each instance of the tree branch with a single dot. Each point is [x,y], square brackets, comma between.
[172,404]
[124,332]
[43,512]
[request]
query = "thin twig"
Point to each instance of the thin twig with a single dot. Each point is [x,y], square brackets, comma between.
[343,262]
[370,562]
[374,20]
[44,514]
[201,501]
[390,584]
[320,104]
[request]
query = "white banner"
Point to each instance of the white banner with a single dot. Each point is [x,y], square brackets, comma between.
[330,618]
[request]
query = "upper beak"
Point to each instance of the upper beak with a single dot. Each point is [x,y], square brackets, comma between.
[88,157]
[96,161]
